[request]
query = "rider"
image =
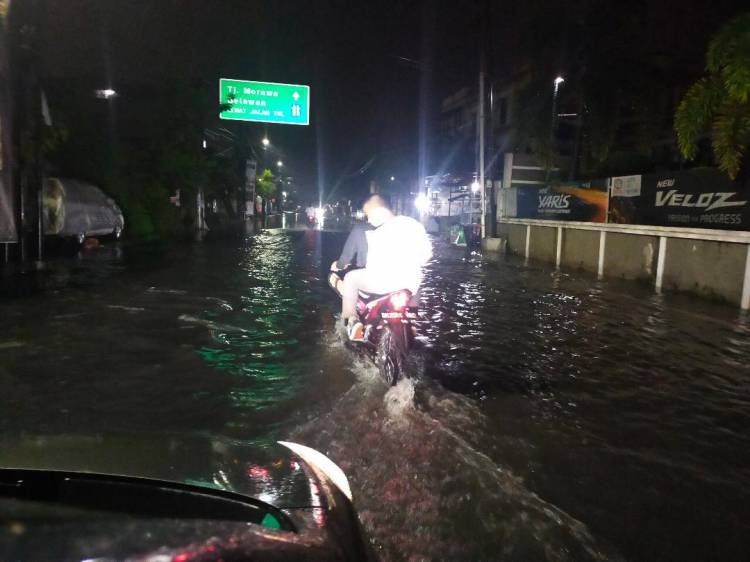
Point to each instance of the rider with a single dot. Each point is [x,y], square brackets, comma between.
[397,249]
[354,253]
[310,212]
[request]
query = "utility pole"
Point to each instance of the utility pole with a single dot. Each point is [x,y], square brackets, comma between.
[9,228]
[480,131]
[32,176]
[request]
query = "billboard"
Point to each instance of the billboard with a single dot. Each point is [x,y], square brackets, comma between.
[264,102]
[581,201]
[702,198]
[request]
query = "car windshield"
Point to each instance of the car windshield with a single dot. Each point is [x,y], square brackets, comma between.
[197,200]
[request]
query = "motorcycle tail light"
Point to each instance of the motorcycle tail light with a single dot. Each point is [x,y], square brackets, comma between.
[399,300]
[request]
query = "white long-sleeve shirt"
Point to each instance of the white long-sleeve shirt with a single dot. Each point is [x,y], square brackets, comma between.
[396,252]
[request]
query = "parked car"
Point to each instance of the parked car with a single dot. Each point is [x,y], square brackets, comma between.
[78,210]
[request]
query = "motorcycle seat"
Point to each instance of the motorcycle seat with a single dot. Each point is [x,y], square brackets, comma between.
[371,298]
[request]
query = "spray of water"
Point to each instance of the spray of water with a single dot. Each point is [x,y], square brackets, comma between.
[423,489]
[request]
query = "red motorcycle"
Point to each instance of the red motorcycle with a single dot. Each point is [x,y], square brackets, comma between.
[389,328]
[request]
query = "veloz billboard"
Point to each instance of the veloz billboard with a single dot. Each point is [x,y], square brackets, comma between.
[702,198]
[264,102]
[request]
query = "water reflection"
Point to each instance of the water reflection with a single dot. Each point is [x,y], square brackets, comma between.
[256,339]
[566,406]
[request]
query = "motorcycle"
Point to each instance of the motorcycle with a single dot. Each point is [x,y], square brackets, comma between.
[389,328]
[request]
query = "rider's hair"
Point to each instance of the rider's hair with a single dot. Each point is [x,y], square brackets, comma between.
[376,200]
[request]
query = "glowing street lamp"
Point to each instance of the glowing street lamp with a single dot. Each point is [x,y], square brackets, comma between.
[475,187]
[105,94]
[265,142]
[279,163]
[393,178]
[559,80]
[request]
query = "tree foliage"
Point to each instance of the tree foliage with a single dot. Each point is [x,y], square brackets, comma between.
[266,184]
[144,161]
[720,101]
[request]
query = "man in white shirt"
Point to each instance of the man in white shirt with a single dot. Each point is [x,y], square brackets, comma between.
[397,249]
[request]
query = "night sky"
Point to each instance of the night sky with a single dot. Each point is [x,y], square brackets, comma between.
[363,61]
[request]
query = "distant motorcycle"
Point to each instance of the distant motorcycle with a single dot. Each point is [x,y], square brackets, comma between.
[389,328]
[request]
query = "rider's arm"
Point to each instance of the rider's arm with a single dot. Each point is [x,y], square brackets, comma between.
[350,250]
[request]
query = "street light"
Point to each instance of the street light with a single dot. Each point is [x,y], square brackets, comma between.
[105,94]
[475,187]
[265,141]
[393,178]
[279,163]
[559,80]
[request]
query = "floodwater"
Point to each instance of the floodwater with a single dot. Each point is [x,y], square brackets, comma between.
[552,416]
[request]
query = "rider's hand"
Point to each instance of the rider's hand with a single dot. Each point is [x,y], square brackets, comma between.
[334,267]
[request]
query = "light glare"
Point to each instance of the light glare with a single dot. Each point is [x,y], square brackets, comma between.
[105,94]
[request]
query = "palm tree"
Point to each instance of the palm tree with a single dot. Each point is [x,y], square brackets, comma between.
[721,99]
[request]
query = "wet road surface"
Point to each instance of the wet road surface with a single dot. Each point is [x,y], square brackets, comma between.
[552,416]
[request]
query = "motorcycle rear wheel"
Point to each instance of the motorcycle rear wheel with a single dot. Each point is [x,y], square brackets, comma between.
[391,355]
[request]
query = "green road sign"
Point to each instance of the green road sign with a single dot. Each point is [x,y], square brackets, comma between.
[265,102]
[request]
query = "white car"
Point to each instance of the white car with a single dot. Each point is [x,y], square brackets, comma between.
[79,210]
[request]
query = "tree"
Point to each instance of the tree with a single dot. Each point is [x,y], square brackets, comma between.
[266,184]
[720,100]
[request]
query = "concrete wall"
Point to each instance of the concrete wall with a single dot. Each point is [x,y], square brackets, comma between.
[517,239]
[630,256]
[543,243]
[580,249]
[709,263]
[712,269]
[503,228]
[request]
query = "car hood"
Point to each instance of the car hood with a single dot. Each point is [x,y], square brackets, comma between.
[265,471]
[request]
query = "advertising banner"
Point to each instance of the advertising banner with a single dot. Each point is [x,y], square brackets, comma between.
[703,198]
[585,202]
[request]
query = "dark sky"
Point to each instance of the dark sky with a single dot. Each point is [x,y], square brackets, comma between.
[365,96]
[363,59]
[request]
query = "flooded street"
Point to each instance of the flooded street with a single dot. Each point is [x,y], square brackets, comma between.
[551,417]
